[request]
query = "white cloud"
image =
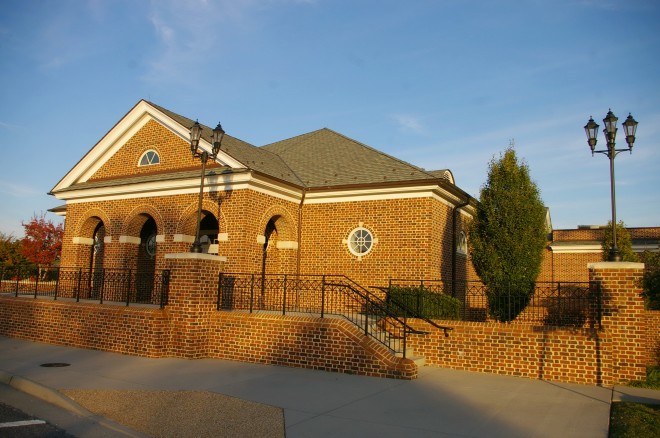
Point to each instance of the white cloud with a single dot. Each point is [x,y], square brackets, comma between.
[7,125]
[408,123]
[17,190]
[192,33]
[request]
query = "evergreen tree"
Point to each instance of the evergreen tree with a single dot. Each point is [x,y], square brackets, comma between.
[623,242]
[508,236]
[651,279]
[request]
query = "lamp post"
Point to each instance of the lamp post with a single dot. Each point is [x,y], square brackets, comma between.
[197,152]
[591,128]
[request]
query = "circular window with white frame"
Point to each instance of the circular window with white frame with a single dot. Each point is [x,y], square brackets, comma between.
[360,241]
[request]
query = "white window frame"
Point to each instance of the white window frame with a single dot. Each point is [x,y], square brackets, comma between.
[369,243]
[149,161]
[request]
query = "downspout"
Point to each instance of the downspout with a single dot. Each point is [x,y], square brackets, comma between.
[455,216]
[300,208]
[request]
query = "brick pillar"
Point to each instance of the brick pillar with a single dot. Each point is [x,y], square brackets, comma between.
[192,301]
[623,322]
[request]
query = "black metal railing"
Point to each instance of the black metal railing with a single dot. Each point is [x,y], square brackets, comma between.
[102,285]
[318,295]
[564,304]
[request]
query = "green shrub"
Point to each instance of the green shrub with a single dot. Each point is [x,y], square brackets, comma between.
[506,300]
[421,302]
[651,280]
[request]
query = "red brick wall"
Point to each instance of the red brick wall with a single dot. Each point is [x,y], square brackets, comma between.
[652,340]
[191,327]
[129,330]
[570,266]
[177,215]
[174,153]
[522,350]
[623,317]
[414,239]
[304,342]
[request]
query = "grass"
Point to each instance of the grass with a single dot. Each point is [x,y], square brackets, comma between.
[652,379]
[637,420]
[634,420]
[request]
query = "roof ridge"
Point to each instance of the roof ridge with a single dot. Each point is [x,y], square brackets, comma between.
[296,136]
[206,134]
[286,164]
[377,151]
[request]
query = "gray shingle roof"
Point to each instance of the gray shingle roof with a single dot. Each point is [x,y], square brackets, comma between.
[316,160]
[325,158]
[250,156]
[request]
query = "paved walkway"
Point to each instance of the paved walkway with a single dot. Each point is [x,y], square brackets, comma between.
[440,403]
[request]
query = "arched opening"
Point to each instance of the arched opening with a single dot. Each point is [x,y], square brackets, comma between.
[208,230]
[269,246]
[269,257]
[96,260]
[146,261]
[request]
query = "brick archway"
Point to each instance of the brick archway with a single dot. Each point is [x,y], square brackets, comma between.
[278,242]
[187,221]
[89,241]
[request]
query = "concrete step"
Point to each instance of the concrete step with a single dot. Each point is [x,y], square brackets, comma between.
[419,360]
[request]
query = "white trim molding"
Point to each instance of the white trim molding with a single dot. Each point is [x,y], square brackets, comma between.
[83,241]
[183,238]
[287,244]
[130,239]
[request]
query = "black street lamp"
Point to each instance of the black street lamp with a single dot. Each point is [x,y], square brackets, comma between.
[197,152]
[591,128]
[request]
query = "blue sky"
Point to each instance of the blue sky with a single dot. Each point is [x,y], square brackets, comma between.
[440,84]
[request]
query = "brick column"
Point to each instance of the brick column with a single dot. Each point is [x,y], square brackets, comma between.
[623,322]
[192,301]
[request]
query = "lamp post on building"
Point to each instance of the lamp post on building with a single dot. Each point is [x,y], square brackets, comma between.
[197,152]
[591,128]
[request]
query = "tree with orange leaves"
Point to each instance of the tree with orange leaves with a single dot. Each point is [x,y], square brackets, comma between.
[42,243]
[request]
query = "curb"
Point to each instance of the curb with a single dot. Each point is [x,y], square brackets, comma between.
[55,398]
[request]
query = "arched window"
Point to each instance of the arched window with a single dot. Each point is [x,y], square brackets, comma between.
[149,158]
[461,245]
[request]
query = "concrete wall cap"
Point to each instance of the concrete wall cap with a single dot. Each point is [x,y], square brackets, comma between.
[197,256]
[615,265]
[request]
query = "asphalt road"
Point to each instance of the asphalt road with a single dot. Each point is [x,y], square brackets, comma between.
[58,422]
[17,424]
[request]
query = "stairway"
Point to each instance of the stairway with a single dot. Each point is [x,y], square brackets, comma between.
[393,343]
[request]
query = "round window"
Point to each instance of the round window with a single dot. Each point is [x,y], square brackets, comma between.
[151,245]
[360,241]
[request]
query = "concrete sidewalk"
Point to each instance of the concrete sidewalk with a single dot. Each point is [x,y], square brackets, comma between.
[319,404]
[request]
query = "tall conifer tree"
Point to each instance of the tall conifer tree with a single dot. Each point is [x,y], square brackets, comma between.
[508,236]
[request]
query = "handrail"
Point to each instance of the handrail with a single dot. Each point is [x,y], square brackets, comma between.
[322,294]
[369,297]
[415,314]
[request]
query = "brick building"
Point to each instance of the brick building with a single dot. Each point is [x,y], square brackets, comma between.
[316,203]
[569,251]
[319,203]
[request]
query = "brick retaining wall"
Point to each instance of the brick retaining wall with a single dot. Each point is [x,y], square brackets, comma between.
[652,341]
[523,350]
[131,330]
[190,327]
